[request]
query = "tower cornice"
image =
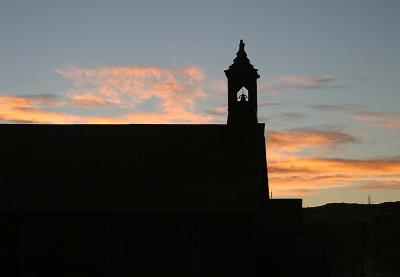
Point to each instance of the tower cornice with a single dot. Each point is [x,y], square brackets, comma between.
[241,64]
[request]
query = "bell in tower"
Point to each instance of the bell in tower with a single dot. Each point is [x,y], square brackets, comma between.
[242,90]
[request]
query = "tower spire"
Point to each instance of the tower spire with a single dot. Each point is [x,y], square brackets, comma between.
[241,56]
[242,90]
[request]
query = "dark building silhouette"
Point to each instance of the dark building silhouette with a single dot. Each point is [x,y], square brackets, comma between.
[242,90]
[146,200]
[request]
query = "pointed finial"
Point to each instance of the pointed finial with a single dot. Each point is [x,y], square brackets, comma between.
[241,45]
[241,54]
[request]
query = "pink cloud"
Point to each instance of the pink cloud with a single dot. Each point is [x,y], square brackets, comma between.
[279,83]
[177,90]
[193,72]
[379,119]
[305,81]
[126,88]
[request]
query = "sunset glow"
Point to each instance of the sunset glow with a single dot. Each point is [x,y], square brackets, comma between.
[328,91]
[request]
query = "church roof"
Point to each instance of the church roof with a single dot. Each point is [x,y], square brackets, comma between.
[151,168]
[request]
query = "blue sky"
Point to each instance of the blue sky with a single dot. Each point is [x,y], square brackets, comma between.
[328,88]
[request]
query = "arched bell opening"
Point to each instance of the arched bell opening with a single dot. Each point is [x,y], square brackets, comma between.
[242,95]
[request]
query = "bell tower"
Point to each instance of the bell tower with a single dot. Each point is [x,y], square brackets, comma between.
[242,90]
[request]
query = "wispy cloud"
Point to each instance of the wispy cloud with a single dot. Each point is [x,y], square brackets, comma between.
[380,119]
[176,90]
[126,89]
[298,139]
[131,85]
[292,173]
[29,110]
[291,116]
[221,110]
[24,110]
[45,97]
[300,175]
[193,72]
[338,166]
[304,81]
[279,83]
[269,104]
[88,100]
[336,107]
[177,93]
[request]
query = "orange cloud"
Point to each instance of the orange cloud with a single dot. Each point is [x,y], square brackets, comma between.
[125,88]
[131,86]
[336,166]
[298,139]
[25,110]
[293,174]
[88,100]
[20,109]
[14,102]
[178,91]
[300,175]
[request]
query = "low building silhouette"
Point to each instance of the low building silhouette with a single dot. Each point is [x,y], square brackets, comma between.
[146,200]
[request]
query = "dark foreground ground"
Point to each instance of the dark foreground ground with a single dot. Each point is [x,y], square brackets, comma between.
[355,237]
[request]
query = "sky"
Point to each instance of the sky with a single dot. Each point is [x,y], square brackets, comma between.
[328,90]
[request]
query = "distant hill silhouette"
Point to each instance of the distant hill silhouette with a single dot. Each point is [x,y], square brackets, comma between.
[354,229]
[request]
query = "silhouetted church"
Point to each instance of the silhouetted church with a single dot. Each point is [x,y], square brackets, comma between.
[146,200]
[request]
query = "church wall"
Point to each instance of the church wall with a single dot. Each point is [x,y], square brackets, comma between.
[132,168]
[124,244]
